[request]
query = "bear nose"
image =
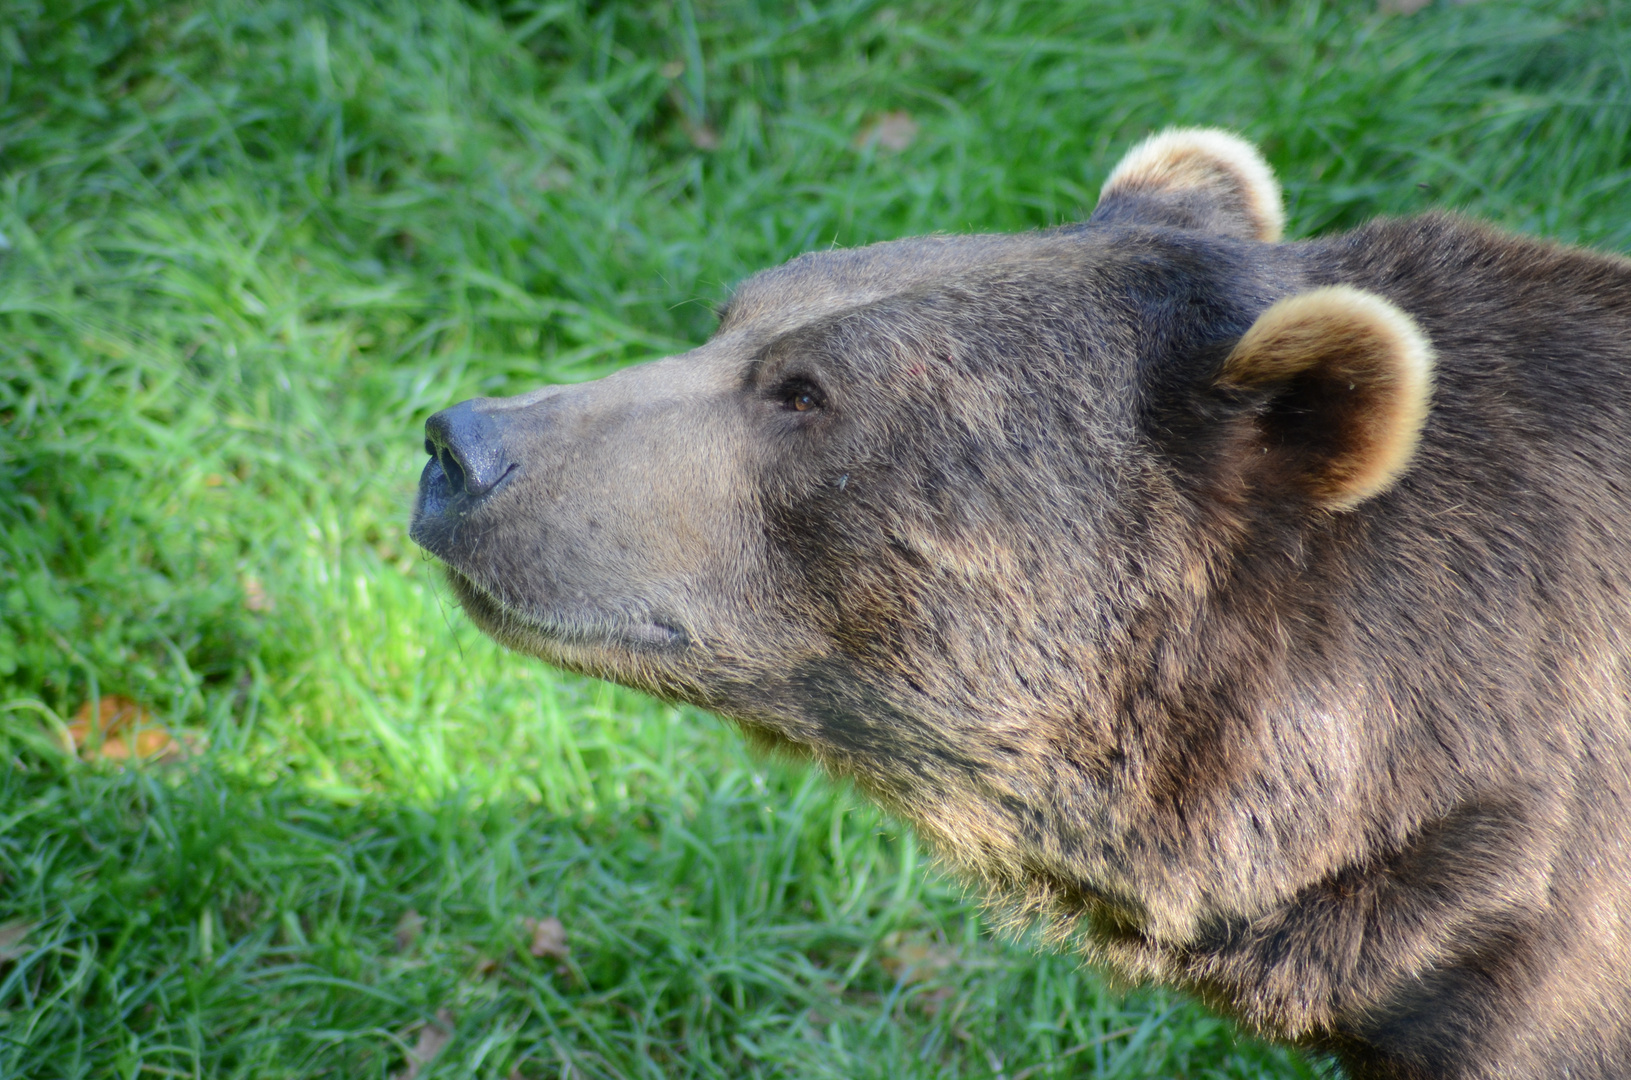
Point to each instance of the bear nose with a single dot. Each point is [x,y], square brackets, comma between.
[469,445]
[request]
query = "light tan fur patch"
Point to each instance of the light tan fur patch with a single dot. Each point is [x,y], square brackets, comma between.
[1181,159]
[1352,338]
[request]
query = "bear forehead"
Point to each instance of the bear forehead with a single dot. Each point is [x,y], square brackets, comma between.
[823,283]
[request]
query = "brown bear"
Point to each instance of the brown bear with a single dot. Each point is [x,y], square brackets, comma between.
[1256,615]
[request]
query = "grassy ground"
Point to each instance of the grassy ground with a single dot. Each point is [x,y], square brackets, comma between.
[248,247]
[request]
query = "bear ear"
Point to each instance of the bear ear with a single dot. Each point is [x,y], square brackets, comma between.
[1195,178]
[1337,381]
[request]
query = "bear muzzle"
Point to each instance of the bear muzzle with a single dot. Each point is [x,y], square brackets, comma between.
[581,517]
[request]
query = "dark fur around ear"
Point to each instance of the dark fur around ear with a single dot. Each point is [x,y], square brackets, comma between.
[1194,178]
[1339,380]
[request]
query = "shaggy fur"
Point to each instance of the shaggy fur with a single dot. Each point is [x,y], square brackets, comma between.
[1249,613]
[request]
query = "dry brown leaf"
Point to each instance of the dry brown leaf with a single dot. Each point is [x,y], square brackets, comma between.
[893,131]
[815,1026]
[916,961]
[126,733]
[114,715]
[256,598]
[548,938]
[1109,1036]
[150,744]
[11,939]
[702,136]
[433,1039]
[408,929]
[930,1002]
[552,178]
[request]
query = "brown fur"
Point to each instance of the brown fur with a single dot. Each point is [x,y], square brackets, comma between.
[1075,550]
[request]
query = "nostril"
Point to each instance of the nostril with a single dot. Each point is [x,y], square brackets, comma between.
[451,469]
[456,478]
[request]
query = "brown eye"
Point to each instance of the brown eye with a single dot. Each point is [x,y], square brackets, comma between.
[801,396]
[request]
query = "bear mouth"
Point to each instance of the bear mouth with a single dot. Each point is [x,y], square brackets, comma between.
[597,630]
[438,514]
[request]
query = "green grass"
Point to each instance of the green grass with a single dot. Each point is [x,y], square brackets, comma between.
[249,247]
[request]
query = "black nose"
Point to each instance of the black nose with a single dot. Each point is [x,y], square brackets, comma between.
[469,445]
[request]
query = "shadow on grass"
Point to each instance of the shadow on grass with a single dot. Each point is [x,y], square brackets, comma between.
[190,922]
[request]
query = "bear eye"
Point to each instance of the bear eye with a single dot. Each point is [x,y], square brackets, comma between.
[802,396]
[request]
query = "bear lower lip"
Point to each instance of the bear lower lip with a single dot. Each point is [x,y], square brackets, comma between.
[595,631]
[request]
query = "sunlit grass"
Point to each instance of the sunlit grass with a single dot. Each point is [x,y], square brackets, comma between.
[248,248]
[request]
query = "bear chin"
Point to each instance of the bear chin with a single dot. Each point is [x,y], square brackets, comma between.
[597,635]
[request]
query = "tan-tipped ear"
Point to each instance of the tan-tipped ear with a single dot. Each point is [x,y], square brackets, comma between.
[1195,178]
[1345,378]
